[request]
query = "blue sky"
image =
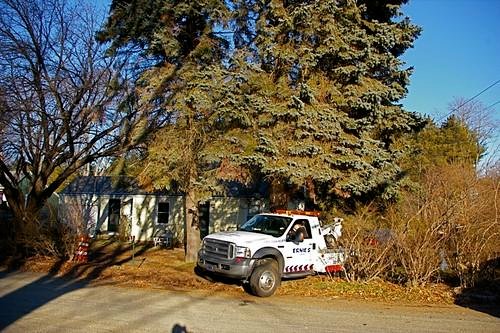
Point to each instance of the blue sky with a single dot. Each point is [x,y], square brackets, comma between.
[457,54]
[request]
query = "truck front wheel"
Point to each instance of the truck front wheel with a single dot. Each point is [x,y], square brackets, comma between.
[265,279]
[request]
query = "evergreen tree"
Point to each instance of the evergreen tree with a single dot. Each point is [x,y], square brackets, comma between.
[325,97]
[299,93]
[437,146]
[180,58]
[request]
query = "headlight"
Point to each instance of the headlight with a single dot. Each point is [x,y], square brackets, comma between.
[242,252]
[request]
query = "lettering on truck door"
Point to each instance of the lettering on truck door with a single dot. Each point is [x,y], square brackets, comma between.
[299,251]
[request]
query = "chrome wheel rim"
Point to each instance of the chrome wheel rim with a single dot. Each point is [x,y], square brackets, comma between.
[267,281]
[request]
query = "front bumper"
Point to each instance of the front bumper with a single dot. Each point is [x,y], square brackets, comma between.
[237,268]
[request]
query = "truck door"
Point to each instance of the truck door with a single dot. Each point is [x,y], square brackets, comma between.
[299,255]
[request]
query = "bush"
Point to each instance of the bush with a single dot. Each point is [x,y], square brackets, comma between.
[451,221]
[54,236]
[473,230]
[369,246]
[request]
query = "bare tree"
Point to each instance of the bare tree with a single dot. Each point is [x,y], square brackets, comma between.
[64,103]
[479,119]
[475,114]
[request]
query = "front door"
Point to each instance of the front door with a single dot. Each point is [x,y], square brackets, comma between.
[114,208]
[299,255]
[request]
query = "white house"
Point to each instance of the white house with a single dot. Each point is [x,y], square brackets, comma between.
[115,205]
[118,205]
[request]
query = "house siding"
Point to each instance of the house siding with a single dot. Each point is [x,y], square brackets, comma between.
[138,213]
[227,213]
[145,216]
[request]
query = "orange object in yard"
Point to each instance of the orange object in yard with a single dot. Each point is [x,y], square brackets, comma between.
[82,250]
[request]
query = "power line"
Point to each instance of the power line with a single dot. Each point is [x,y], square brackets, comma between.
[476,95]
[471,99]
[492,105]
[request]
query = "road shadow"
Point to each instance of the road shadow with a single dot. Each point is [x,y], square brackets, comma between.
[485,297]
[30,297]
[58,281]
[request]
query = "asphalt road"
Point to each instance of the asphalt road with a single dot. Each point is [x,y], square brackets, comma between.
[31,302]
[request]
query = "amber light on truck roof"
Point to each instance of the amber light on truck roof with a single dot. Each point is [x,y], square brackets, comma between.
[298,212]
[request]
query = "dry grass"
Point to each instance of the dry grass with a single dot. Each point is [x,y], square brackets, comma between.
[378,290]
[112,263]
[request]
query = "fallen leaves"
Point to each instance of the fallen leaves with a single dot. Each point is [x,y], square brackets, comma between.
[153,268]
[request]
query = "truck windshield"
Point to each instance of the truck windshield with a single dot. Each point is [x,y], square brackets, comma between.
[267,224]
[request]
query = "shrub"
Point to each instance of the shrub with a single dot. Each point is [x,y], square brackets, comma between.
[369,246]
[55,236]
[451,220]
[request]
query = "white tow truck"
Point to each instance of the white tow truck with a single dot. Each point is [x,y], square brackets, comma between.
[267,248]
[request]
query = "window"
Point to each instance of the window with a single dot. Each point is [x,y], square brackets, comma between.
[266,224]
[306,225]
[163,212]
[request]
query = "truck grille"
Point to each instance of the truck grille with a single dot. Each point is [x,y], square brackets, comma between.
[218,249]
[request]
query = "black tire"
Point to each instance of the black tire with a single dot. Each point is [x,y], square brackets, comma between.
[247,288]
[265,279]
[201,273]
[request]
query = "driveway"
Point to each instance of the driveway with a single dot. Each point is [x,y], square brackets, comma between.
[32,302]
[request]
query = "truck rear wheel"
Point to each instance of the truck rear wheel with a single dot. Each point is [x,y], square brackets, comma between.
[265,279]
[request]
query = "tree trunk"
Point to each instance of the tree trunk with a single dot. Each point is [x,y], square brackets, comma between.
[278,196]
[192,227]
